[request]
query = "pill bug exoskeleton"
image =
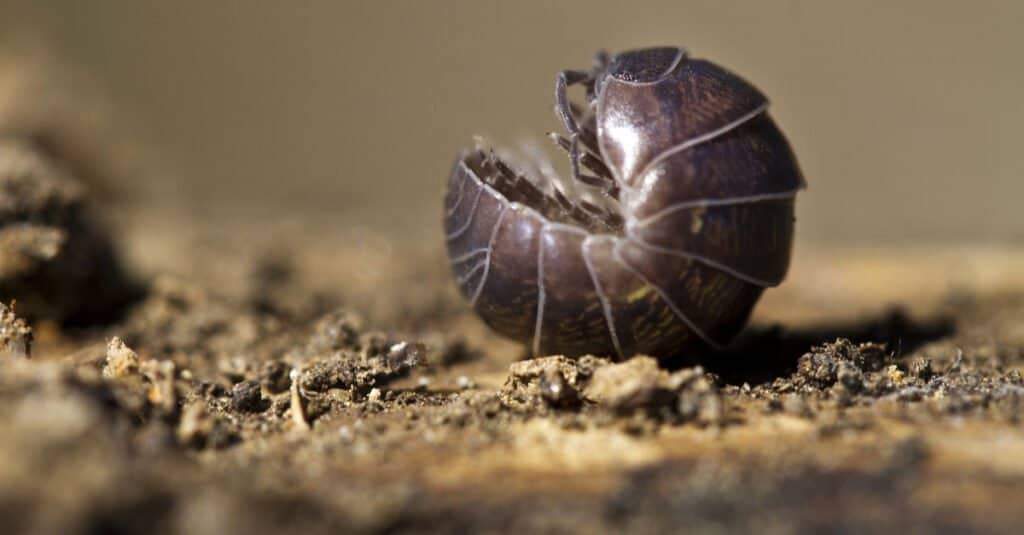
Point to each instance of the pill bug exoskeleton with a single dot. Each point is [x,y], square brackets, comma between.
[679,213]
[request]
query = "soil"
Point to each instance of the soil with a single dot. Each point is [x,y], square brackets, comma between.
[226,377]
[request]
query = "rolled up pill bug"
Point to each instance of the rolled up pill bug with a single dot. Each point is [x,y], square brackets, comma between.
[677,215]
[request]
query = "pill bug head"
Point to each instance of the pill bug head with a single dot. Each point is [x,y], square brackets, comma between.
[675,213]
[644,65]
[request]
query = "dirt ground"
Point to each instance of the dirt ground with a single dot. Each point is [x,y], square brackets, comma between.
[161,373]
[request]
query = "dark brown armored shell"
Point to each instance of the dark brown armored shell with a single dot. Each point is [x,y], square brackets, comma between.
[679,215]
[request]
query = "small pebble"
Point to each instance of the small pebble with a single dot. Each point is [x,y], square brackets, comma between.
[405,355]
[556,390]
[121,360]
[247,397]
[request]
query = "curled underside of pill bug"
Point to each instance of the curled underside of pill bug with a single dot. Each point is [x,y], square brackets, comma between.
[676,214]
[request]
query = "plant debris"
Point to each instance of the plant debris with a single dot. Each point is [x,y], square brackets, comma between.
[15,334]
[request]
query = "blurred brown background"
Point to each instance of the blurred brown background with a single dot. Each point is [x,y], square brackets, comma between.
[905,116]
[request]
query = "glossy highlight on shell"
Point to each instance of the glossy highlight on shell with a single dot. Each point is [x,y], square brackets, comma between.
[677,213]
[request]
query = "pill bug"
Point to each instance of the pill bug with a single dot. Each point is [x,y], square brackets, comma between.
[678,214]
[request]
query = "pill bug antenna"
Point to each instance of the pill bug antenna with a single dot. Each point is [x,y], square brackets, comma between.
[581,143]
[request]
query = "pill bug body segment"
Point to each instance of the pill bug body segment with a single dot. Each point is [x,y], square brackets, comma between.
[696,219]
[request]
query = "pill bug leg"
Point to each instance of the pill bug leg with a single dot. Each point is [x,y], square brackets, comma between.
[562,106]
[602,177]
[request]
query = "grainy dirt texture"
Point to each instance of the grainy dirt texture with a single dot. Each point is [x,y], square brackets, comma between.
[274,393]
